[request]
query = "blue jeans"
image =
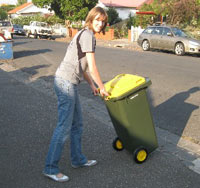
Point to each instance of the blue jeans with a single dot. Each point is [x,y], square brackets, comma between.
[69,123]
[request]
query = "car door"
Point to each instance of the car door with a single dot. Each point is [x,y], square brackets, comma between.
[146,35]
[167,41]
[156,37]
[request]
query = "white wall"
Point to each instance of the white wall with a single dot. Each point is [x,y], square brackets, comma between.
[123,12]
[28,11]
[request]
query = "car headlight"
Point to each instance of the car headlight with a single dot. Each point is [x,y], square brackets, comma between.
[194,43]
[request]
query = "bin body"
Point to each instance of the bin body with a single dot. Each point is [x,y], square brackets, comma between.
[131,116]
[6,50]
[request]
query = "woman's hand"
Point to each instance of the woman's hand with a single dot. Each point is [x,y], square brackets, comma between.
[104,93]
[95,91]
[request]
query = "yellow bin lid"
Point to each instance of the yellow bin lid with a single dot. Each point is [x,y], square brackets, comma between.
[122,84]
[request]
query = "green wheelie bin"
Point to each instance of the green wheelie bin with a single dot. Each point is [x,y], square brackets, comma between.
[130,114]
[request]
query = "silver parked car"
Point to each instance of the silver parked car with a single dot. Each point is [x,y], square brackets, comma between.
[168,38]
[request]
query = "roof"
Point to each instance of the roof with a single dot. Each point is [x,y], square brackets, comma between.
[15,10]
[125,3]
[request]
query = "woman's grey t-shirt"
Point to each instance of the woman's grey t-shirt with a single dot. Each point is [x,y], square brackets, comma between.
[75,62]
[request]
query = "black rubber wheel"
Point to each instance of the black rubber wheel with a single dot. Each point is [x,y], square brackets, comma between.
[117,144]
[146,45]
[179,49]
[140,155]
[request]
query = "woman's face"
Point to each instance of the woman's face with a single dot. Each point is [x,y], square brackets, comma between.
[98,23]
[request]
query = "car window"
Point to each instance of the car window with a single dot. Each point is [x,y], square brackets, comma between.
[43,24]
[17,26]
[179,33]
[166,30]
[5,23]
[149,30]
[158,30]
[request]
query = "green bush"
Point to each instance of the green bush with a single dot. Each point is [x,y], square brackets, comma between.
[25,20]
[192,32]
[120,30]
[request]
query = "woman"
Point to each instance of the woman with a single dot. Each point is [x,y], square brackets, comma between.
[80,55]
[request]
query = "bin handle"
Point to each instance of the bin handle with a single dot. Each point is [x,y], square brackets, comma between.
[139,80]
[118,77]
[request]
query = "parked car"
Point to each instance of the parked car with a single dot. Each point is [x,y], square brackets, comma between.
[6,28]
[18,30]
[38,29]
[170,38]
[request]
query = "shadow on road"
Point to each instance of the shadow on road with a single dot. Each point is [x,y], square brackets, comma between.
[174,113]
[25,53]
[28,118]
[18,43]
[49,79]
[33,70]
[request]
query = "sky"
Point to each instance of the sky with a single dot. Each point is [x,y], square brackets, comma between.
[10,2]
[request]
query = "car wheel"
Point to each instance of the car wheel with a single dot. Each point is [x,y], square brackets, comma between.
[179,49]
[146,45]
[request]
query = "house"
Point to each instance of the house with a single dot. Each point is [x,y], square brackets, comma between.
[125,7]
[27,9]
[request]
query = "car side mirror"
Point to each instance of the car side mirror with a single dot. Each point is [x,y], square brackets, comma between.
[169,34]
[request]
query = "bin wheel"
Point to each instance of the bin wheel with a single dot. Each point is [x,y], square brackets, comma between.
[140,155]
[117,144]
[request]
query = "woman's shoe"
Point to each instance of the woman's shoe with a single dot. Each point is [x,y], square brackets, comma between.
[88,164]
[55,177]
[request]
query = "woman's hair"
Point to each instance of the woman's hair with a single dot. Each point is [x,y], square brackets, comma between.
[91,16]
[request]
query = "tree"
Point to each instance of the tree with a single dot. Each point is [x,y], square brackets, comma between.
[132,21]
[4,9]
[113,16]
[7,8]
[185,12]
[3,14]
[21,2]
[72,10]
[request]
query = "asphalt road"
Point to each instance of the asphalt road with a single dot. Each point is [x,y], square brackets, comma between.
[175,90]
[29,116]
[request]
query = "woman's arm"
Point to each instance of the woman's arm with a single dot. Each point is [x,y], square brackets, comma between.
[90,82]
[95,73]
